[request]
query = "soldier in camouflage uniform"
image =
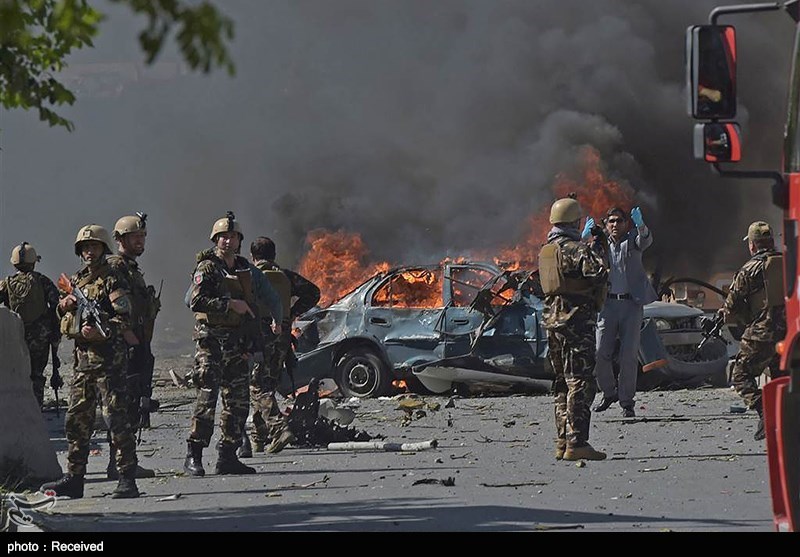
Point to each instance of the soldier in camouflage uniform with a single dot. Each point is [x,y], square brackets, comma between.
[130,233]
[755,300]
[574,280]
[222,299]
[34,297]
[100,363]
[268,422]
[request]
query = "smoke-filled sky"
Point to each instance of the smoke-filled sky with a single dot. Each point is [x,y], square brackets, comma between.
[430,127]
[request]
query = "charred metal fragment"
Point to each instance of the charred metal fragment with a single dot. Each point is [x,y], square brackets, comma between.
[312,430]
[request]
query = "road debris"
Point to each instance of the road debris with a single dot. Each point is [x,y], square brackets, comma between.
[447,482]
[382,446]
[329,410]
[542,527]
[484,439]
[654,469]
[174,497]
[178,380]
[519,484]
[311,429]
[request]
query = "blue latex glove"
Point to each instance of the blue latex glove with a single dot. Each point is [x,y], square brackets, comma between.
[636,217]
[587,230]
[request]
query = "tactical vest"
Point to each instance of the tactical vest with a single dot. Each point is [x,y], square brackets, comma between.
[26,296]
[236,286]
[92,284]
[554,283]
[283,286]
[773,293]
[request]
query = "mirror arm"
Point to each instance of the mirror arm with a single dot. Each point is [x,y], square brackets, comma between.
[741,9]
[780,191]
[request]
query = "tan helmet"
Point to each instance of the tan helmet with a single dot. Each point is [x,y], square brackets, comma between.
[24,253]
[128,224]
[227,223]
[93,232]
[565,210]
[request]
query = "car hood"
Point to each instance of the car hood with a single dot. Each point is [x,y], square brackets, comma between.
[669,310]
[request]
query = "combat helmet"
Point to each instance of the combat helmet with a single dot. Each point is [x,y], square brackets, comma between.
[565,210]
[24,254]
[227,223]
[93,232]
[130,223]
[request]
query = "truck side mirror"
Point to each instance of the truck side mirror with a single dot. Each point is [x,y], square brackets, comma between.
[718,142]
[711,71]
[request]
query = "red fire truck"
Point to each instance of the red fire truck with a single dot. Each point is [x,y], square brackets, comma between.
[711,81]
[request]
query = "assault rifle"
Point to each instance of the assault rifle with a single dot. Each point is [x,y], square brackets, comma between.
[88,310]
[712,328]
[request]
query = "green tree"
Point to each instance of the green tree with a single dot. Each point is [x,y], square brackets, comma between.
[36,36]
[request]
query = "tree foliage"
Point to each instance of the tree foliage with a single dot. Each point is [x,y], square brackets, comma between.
[36,36]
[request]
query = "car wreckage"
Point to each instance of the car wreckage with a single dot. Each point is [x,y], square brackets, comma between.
[475,324]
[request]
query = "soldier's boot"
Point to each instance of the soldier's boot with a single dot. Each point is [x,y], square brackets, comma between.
[561,447]
[193,465]
[584,452]
[70,485]
[246,450]
[227,463]
[126,488]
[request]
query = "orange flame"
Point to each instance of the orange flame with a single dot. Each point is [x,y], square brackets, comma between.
[338,261]
[335,262]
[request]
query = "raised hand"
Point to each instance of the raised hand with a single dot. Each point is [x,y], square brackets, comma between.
[636,217]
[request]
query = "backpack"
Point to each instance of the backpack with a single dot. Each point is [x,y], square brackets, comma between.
[26,296]
[553,281]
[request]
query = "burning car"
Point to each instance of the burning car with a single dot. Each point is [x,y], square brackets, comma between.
[470,323]
[436,325]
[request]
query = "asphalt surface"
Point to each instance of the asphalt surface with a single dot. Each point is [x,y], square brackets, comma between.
[686,463]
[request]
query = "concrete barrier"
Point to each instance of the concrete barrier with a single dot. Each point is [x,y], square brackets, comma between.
[27,457]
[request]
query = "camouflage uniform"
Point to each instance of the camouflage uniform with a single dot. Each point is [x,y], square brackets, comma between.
[268,422]
[222,342]
[42,332]
[145,306]
[100,366]
[570,321]
[765,328]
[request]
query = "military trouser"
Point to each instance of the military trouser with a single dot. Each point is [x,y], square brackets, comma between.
[268,422]
[37,339]
[753,359]
[140,383]
[220,369]
[39,358]
[80,419]
[572,356]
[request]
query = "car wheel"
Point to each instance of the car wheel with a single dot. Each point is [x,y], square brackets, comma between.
[361,373]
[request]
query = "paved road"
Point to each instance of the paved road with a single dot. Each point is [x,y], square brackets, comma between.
[685,464]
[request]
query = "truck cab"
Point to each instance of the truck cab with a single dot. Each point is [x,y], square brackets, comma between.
[711,94]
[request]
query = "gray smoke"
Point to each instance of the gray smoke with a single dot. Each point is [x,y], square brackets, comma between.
[431,128]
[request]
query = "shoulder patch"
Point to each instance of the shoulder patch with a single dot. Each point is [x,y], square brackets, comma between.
[198,278]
